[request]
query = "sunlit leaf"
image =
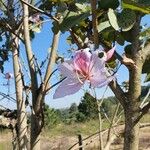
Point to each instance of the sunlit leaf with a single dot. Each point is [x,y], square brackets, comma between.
[113,19]
[103,25]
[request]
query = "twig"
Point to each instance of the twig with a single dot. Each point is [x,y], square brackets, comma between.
[112,122]
[143,111]
[100,117]
[147,95]
[40,10]
[55,84]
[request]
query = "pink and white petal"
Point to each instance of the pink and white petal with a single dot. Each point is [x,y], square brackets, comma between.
[110,53]
[97,79]
[101,81]
[67,87]
[82,60]
[67,69]
[96,64]
[107,81]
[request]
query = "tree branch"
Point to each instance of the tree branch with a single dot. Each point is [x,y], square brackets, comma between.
[143,111]
[39,10]
[95,23]
[30,56]
[52,59]
[76,39]
[119,93]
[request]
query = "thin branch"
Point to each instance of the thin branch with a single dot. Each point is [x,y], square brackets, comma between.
[52,59]
[119,93]
[7,27]
[143,111]
[76,39]
[55,85]
[147,95]
[112,122]
[40,10]
[95,23]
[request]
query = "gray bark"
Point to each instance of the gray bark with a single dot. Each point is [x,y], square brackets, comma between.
[21,110]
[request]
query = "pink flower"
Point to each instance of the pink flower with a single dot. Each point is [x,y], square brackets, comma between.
[106,55]
[35,18]
[83,67]
[8,75]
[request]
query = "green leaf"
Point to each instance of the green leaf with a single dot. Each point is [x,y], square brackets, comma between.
[69,40]
[126,19]
[113,19]
[82,7]
[103,26]
[140,5]
[145,33]
[106,4]
[72,19]
[36,29]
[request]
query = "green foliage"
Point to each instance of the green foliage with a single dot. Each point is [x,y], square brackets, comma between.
[3,57]
[52,117]
[72,19]
[113,19]
[105,4]
[88,106]
[126,19]
[103,25]
[138,5]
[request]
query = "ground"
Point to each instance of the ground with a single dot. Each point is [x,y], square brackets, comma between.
[63,142]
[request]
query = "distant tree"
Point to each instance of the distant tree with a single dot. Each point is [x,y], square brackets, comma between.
[73,108]
[108,106]
[51,117]
[88,106]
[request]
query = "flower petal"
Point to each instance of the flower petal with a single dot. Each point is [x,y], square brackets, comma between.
[110,53]
[96,64]
[82,60]
[67,87]
[101,79]
[67,69]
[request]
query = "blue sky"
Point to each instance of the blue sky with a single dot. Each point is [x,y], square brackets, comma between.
[40,46]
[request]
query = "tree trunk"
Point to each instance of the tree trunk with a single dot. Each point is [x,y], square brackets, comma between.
[132,109]
[21,110]
[131,135]
[35,133]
